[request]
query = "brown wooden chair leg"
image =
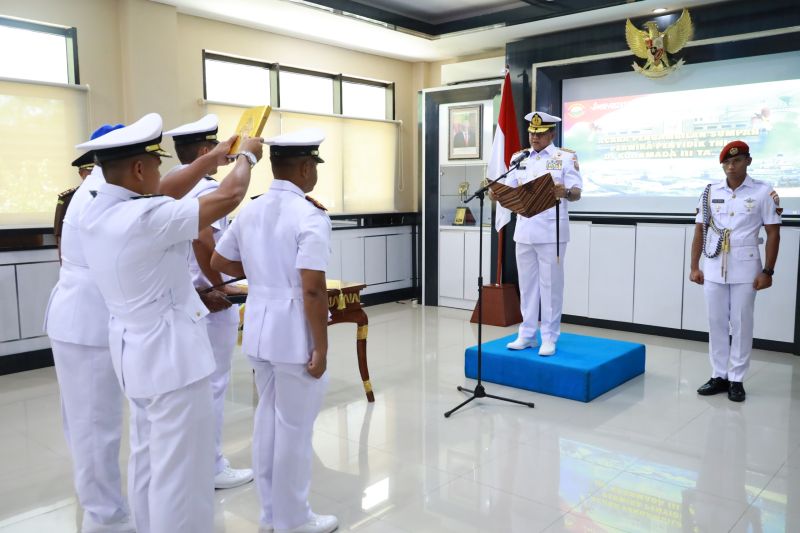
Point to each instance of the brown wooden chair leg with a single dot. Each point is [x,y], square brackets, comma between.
[361,349]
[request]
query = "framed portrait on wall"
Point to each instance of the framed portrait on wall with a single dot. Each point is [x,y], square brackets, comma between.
[464,132]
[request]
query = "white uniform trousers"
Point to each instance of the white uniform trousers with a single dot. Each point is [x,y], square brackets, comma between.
[541,279]
[171,468]
[91,410]
[222,336]
[289,400]
[730,328]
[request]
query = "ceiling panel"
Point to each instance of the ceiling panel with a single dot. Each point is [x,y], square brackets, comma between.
[436,18]
[438,11]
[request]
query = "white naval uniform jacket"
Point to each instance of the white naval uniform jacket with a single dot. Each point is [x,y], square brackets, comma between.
[200,281]
[136,249]
[76,312]
[563,167]
[275,236]
[742,211]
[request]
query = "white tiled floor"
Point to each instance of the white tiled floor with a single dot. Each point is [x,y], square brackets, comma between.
[649,456]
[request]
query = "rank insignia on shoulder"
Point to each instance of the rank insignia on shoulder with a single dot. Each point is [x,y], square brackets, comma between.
[316,203]
[146,196]
[62,196]
[568,150]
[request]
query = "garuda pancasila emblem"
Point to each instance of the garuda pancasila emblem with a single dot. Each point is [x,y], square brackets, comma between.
[654,45]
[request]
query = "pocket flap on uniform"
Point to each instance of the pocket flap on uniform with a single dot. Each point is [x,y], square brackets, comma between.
[745,253]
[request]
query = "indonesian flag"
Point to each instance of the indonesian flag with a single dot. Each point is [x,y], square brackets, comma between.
[505,144]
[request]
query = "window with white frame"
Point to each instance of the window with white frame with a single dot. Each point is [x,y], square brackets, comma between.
[236,81]
[306,92]
[355,114]
[39,99]
[365,100]
[37,52]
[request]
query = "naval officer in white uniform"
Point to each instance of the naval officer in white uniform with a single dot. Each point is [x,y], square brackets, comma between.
[540,272]
[730,215]
[192,141]
[136,246]
[281,241]
[76,321]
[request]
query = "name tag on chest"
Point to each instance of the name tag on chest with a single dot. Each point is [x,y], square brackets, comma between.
[717,200]
[554,164]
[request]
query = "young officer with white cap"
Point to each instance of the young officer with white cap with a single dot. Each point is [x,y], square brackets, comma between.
[281,240]
[76,320]
[540,270]
[136,245]
[729,217]
[193,140]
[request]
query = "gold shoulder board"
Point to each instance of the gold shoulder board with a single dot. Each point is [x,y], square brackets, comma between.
[66,196]
[62,203]
[316,203]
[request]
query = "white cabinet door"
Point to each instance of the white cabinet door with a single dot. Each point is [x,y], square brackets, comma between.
[694,301]
[611,264]
[353,259]
[471,253]
[335,261]
[9,314]
[451,264]
[35,281]
[375,260]
[398,257]
[576,269]
[658,287]
[775,307]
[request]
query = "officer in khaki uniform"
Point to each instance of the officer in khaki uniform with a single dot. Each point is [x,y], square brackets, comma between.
[540,271]
[136,245]
[730,215]
[76,321]
[281,241]
[193,140]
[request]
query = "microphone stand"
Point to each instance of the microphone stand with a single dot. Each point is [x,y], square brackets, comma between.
[480,391]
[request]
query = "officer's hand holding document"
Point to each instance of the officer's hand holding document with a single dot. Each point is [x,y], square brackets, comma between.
[233,188]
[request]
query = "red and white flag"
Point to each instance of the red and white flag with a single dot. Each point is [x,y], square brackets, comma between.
[504,145]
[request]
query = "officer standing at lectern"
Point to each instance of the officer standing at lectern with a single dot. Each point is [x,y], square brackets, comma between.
[540,268]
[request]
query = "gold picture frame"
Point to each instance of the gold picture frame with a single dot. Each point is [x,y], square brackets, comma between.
[465,132]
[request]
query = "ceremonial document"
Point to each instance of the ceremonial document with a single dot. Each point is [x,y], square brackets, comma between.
[251,124]
[529,199]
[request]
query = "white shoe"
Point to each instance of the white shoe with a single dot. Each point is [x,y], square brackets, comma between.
[520,343]
[548,348]
[123,526]
[319,523]
[232,477]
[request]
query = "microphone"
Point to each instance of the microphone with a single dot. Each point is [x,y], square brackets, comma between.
[517,160]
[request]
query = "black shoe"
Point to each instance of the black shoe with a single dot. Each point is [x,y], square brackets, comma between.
[736,392]
[713,386]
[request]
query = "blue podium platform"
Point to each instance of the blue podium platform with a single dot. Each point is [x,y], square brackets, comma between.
[582,368]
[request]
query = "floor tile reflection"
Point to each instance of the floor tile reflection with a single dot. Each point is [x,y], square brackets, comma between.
[649,456]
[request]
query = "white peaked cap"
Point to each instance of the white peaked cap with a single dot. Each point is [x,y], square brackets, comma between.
[141,137]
